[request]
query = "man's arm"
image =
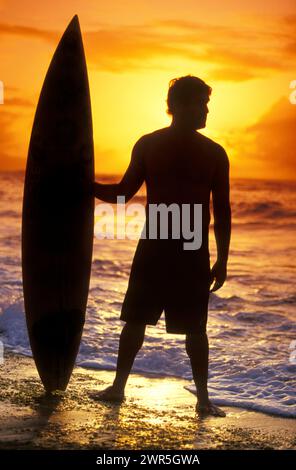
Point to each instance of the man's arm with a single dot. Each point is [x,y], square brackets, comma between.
[131,181]
[222,217]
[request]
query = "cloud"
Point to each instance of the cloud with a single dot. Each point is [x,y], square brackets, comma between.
[273,140]
[14,97]
[233,74]
[291,48]
[18,30]
[235,53]
[14,113]
[290,20]
[229,49]
[19,102]
[7,138]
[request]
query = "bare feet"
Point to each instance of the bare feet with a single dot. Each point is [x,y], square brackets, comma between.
[209,410]
[109,394]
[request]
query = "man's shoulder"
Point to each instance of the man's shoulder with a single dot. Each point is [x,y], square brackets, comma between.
[212,145]
[156,136]
[151,137]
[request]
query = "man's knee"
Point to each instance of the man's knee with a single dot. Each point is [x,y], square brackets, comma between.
[196,341]
[135,328]
[196,336]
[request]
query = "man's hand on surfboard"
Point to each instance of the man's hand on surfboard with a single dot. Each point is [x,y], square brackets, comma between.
[218,274]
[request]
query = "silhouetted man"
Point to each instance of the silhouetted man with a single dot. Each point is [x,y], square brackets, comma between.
[178,165]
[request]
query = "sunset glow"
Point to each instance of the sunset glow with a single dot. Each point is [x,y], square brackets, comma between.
[244,50]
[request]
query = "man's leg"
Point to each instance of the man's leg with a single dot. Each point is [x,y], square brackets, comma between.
[131,340]
[130,343]
[197,348]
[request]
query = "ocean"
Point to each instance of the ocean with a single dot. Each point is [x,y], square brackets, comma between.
[251,326]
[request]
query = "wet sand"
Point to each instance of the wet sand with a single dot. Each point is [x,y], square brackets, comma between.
[158,414]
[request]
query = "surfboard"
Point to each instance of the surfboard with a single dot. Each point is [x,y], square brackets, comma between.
[58,213]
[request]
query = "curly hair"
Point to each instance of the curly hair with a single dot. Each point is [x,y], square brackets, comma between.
[184,90]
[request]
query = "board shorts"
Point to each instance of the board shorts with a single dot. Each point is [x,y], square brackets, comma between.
[165,277]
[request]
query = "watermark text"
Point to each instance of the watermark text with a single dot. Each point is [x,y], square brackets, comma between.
[173,221]
[1,92]
[293,93]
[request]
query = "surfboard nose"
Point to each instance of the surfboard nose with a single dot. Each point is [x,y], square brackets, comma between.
[74,24]
[71,39]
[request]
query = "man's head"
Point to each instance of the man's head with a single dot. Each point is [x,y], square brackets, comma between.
[187,101]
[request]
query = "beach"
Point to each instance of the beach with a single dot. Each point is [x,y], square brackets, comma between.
[251,329]
[158,413]
[251,319]
[108,137]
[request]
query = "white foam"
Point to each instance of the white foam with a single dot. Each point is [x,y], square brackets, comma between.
[13,329]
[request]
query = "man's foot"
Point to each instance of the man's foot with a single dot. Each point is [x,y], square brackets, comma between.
[109,394]
[209,410]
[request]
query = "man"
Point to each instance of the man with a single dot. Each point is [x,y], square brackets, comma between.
[178,165]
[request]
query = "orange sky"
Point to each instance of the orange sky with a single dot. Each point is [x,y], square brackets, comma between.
[245,50]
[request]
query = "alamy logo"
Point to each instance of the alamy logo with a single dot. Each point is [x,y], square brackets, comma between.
[292,358]
[1,353]
[293,94]
[1,92]
[176,221]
